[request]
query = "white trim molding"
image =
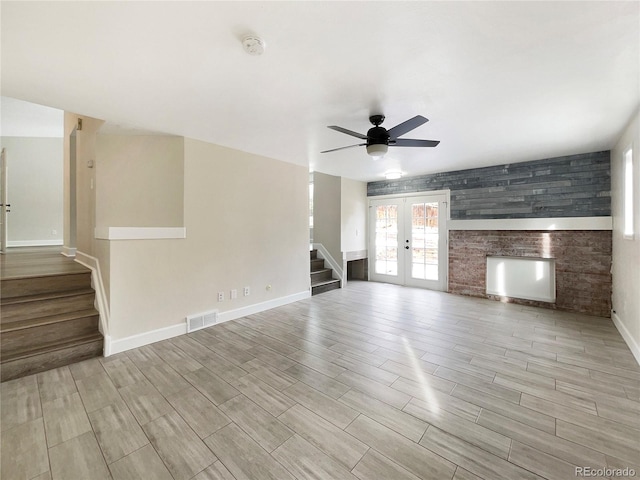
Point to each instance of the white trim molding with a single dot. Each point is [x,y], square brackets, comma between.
[140,233]
[102,306]
[261,307]
[626,335]
[141,339]
[69,251]
[34,243]
[550,224]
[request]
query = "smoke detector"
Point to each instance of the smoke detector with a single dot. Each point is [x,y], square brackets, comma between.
[253,45]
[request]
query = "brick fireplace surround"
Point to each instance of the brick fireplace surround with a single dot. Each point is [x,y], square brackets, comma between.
[583,264]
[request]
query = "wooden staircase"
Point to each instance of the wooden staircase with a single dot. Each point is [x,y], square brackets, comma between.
[47,314]
[321,278]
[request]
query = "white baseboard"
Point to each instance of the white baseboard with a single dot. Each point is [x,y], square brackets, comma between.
[261,307]
[140,340]
[102,306]
[69,251]
[626,335]
[33,243]
[120,345]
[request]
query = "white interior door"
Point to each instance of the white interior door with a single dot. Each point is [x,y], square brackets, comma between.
[408,241]
[4,206]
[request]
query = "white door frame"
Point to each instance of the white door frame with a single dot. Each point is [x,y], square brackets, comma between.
[4,198]
[404,275]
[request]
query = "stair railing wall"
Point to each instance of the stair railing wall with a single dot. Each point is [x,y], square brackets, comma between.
[102,306]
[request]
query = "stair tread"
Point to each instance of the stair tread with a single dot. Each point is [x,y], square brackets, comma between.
[47,320]
[46,296]
[324,282]
[53,346]
[322,270]
[30,276]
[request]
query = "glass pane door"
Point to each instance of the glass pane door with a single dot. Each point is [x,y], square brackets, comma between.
[408,241]
[424,238]
[385,223]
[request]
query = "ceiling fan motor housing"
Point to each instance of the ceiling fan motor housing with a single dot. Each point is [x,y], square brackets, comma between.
[377,136]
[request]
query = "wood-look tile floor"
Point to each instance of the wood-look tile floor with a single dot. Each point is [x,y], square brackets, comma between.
[372,381]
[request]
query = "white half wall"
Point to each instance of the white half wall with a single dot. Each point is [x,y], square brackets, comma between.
[246,219]
[353,213]
[144,175]
[327,212]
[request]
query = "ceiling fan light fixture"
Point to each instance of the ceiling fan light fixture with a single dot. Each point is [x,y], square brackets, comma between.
[377,150]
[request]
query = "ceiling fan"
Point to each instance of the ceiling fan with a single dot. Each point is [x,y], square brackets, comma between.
[378,139]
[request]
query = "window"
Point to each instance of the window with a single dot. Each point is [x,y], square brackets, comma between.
[628,194]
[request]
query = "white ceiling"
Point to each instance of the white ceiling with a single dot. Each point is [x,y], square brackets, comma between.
[25,119]
[500,82]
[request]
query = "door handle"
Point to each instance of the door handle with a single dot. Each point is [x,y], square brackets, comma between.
[407,247]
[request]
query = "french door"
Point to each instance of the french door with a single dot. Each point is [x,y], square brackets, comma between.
[408,238]
[4,206]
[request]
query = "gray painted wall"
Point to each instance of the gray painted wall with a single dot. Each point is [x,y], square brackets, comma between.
[570,186]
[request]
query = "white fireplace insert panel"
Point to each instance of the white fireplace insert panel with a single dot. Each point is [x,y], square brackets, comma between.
[529,278]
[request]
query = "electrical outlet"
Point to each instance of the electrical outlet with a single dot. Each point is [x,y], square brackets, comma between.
[221,296]
[246,291]
[234,294]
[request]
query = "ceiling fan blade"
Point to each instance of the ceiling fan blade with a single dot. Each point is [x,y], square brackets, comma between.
[407,126]
[342,148]
[348,132]
[408,142]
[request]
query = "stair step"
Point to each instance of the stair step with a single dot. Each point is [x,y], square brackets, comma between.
[48,320]
[318,275]
[20,287]
[314,254]
[46,304]
[29,334]
[324,286]
[49,356]
[317,264]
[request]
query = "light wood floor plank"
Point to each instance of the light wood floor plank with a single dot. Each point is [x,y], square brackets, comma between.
[307,462]
[335,412]
[117,431]
[24,450]
[261,426]
[143,463]
[325,435]
[180,448]
[375,466]
[234,447]
[471,458]
[372,381]
[421,462]
[78,459]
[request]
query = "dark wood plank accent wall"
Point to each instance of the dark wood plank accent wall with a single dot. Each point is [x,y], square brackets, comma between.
[570,186]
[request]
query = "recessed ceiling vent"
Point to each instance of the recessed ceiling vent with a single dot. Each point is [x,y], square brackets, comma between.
[201,320]
[253,45]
